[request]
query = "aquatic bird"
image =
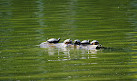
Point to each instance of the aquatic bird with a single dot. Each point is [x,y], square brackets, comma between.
[77,42]
[85,42]
[53,40]
[68,41]
[94,42]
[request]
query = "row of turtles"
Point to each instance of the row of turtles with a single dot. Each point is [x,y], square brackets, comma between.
[76,42]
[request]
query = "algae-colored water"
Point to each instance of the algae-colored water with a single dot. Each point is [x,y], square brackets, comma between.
[24,24]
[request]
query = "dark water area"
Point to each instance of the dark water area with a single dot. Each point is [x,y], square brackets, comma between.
[25,24]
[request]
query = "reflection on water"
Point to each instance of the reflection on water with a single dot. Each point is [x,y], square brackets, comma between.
[66,53]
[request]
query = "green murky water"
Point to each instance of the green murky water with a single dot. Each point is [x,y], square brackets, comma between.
[26,23]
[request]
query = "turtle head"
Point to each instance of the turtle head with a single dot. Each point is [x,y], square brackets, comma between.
[89,41]
[58,39]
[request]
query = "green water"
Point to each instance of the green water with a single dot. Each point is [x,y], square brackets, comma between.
[24,24]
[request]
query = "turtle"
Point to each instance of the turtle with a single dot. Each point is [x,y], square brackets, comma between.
[68,41]
[85,42]
[53,40]
[77,42]
[94,42]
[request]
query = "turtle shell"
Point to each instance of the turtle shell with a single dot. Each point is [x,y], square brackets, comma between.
[53,40]
[68,41]
[85,42]
[77,42]
[94,42]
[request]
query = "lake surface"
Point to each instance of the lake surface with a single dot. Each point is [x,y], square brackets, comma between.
[24,24]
